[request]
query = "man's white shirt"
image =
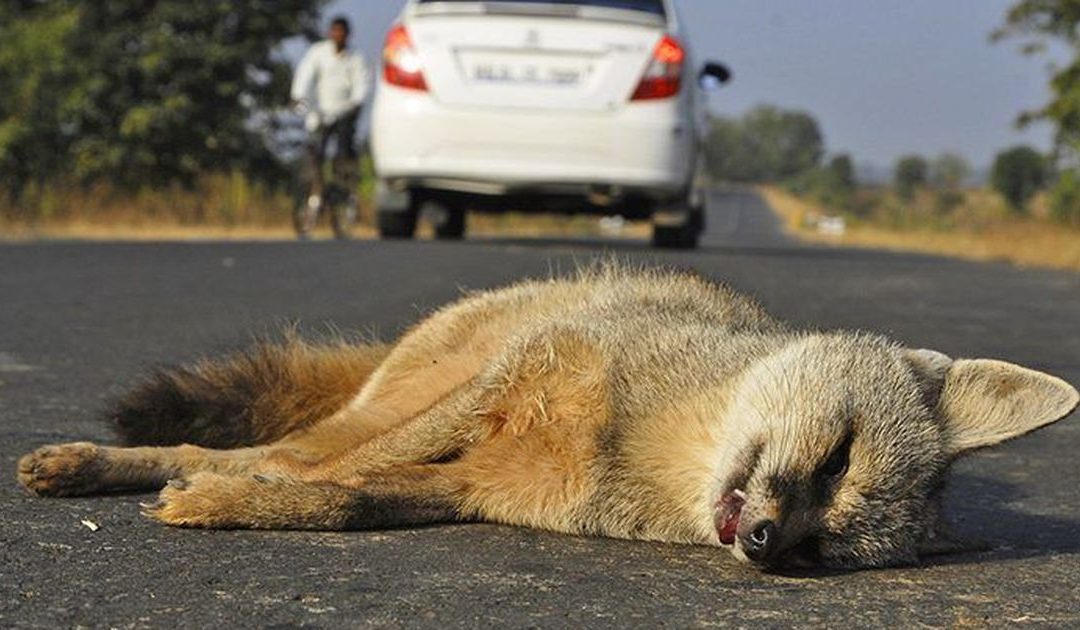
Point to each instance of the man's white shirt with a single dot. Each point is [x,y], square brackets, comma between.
[332,82]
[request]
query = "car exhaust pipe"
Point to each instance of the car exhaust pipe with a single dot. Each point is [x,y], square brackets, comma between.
[605,195]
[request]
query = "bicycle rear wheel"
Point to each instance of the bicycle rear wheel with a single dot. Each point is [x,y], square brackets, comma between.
[342,207]
[306,216]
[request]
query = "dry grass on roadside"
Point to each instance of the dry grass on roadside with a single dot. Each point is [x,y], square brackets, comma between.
[1023,241]
[91,231]
[217,206]
[230,206]
[479,226]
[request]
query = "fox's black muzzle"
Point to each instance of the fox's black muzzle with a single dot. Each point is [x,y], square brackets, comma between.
[759,542]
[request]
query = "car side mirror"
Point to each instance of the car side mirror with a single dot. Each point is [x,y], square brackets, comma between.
[713,75]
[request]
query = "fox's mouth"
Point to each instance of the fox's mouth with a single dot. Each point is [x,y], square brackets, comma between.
[726,515]
[727,510]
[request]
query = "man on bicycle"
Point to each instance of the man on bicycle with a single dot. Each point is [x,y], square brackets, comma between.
[330,87]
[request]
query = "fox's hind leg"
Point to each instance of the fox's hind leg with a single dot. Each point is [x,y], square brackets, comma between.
[83,468]
[409,496]
[218,416]
[537,381]
[391,480]
[441,433]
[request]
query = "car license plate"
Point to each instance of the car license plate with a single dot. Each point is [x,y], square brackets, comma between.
[527,74]
[490,70]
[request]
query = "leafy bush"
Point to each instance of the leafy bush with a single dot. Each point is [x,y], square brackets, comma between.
[1065,199]
[832,186]
[947,200]
[1018,174]
[911,173]
[949,171]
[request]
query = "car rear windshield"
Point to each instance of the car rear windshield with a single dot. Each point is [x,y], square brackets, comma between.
[655,7]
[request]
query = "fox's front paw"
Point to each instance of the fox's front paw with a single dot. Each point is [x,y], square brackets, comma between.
[206,500]
[61,470]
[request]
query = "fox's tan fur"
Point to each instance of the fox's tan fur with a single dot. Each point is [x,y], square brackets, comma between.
[635,404]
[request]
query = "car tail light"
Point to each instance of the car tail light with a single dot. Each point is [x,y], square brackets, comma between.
[663,77]
[401,62]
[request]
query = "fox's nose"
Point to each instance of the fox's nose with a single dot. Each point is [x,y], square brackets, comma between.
[758,542]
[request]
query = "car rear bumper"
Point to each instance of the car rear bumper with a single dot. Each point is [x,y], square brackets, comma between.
[642,148]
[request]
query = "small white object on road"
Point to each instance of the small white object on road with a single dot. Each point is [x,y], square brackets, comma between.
[91,525]
[612,226]
[832,225]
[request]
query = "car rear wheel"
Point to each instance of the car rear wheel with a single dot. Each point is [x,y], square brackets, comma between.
[396,212]
[675,237]
[682,233]
[397,224]
[450,222]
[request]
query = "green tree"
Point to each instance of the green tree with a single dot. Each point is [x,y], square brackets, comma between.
[1018,173]
[1065,199]
[141,92]
[832,185]
[36,72]
[766,144]
[910,174]
[1040,22]
[842,172]
[949,171]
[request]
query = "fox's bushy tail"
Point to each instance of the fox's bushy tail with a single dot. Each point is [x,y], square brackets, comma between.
[253,397]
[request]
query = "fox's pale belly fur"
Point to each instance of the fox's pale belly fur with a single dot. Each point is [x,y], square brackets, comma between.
[636,404]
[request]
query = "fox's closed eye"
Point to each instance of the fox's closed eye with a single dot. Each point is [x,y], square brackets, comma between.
[836,466]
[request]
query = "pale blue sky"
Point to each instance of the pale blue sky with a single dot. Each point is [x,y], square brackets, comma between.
[884,77]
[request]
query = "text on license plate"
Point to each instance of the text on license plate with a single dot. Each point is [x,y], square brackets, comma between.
[527,74]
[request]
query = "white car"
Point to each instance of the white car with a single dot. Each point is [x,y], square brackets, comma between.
[564,106]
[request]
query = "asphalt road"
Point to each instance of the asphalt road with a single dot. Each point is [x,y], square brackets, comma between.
[78,321]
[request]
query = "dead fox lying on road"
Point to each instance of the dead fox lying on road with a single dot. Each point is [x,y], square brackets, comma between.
[636,404]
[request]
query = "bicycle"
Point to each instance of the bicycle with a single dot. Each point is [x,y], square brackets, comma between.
[331,183]
[335,200]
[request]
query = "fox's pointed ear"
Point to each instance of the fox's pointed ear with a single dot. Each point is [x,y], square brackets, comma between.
[930,365]
[984,402]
